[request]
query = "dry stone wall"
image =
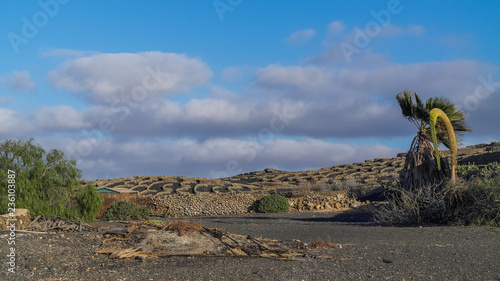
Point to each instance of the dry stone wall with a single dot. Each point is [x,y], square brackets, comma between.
[338,200]
[190,205]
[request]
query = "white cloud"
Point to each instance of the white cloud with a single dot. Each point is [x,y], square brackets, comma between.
[336,27]
[215,111]
[219,157]
[13,124]
[45,120]
[200,118]
[301,36]
[59,118]
[19,81]
[319,101]
[111,78]
[448,78]
[348,101]
[311,79]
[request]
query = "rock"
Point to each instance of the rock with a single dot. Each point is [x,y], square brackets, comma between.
[22,219]
[354,204]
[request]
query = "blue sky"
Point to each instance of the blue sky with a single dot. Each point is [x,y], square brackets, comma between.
[217,88]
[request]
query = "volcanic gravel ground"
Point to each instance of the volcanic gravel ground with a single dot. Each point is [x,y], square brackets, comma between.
[368,253]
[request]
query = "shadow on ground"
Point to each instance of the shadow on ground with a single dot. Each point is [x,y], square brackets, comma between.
[357,215]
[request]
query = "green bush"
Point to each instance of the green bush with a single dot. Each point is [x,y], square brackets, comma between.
[45,182]
[123,210]
[273,203]
[471,171]
[468,171]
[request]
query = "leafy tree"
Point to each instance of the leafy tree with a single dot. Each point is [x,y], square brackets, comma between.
[46,183]
[420,167]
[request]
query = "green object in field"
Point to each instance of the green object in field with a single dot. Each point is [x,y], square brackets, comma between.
[434,114]
[273,203]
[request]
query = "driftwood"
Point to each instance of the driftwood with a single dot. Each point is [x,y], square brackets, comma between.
[45,223]
[182,238]
[31,232]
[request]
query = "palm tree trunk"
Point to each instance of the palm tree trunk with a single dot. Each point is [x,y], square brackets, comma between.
[420,168]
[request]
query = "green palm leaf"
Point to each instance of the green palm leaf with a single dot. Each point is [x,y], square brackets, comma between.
[417,112]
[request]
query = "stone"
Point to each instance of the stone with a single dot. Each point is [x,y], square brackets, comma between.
[354,204]
[22,219]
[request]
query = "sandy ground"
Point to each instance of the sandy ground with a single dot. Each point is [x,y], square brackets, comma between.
[368,253]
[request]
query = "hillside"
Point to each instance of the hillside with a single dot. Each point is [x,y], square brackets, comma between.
[376,172]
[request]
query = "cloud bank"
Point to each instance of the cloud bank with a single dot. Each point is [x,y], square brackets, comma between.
[143,114]
[107,78]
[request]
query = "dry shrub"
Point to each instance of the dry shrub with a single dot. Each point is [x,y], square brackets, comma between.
[355,188]
[475,202]
[464,203]
[311,187]
[426,204]
[184,227]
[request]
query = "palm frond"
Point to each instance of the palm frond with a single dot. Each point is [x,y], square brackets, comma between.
[412,109]
[406,103]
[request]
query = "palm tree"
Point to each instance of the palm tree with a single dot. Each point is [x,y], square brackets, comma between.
[421,167]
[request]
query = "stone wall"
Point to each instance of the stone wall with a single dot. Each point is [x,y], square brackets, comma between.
[191,205]
[236,203]
[323,202]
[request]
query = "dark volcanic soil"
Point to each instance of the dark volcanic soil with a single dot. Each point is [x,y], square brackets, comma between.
[368,253]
